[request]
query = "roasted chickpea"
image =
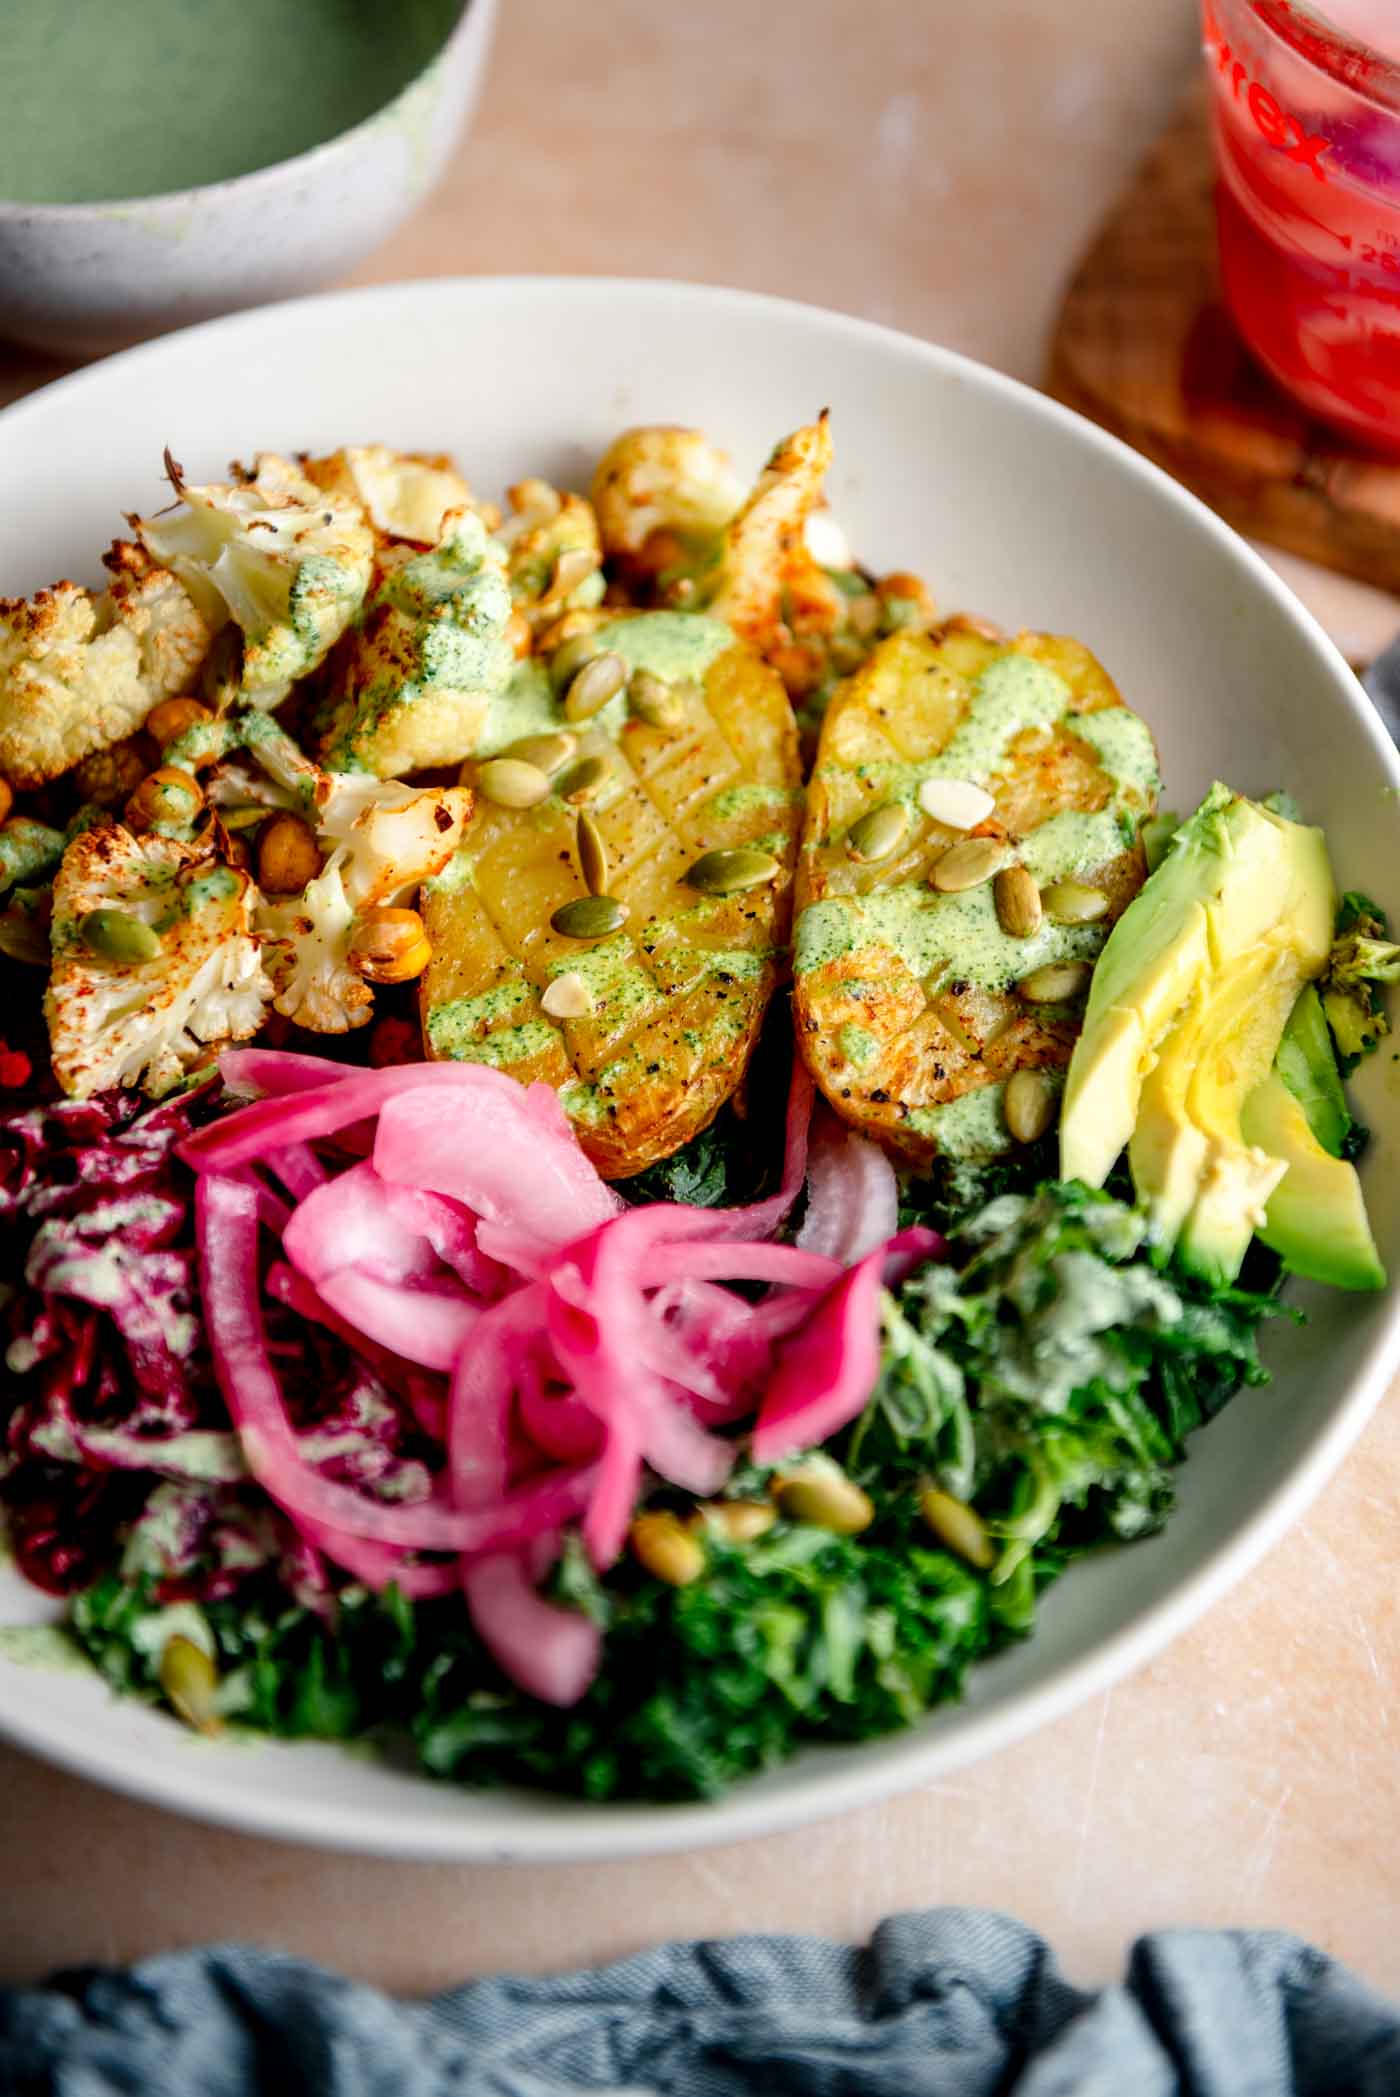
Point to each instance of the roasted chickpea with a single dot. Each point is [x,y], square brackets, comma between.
[390,946]
[168,797]
[172,717]
[288,856]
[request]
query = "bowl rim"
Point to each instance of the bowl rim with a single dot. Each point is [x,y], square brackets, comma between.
[594,1833]
[472,15]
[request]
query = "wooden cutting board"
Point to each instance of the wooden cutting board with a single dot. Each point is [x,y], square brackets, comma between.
[1144,346]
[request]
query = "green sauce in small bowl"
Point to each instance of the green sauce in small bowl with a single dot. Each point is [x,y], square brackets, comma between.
[102,102]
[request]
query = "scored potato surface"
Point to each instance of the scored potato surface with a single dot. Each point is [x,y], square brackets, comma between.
[680,991]
[903,997]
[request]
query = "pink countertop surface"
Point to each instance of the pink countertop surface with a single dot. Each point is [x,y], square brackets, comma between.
[939,170]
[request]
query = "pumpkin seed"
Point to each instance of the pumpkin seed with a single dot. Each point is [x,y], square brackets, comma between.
[586,781]
[245,815]
[1073,903]
[654,701]
[570,656]
[956,803]
[822,1494]
[1028,1104]
[878,834]
[589,917]
[547,753]
[574,566]
[667,1548]
[592,856]
[727,873]
[958,1526]
[1018,902]
[190,1681]
[968,865]
[738,1521]
[116,936]
[567,997]
[1055,984]
[601,678]
[511,783]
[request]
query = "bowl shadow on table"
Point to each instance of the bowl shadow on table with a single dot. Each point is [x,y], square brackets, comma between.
[24,370]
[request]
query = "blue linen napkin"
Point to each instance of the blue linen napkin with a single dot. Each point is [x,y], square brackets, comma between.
[954,2002]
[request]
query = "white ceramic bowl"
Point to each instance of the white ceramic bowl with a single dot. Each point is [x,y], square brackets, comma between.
[87,277]
[1011,506]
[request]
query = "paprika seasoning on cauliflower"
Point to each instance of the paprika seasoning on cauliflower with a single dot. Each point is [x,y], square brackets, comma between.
[288,563]
[79,672]
[155,962]
[417,677]
[383,840]
[380,840]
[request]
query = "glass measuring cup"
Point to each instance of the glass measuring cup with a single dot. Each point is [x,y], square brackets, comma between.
[1305,109]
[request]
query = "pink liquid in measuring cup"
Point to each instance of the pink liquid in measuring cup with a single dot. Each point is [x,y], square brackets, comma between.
[1308,200]
[1371,22]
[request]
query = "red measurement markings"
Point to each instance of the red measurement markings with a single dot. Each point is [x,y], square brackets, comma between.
[1276,125]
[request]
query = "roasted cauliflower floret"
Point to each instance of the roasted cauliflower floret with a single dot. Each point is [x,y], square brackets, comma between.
[767,584]
[306,944]
[554,556]
[667,480]
[78,672]
[414,682]
[155,605]
[168,969]
[287,563]
[392,837]
[381,839]
[405,494]
[384,840]
[782,574]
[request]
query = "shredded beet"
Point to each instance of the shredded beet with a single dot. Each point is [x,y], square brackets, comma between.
[443,1341]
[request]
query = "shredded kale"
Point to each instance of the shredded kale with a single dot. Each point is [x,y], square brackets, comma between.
[1050,1375]
[1047,1375]
[1363,959]
[704,1172]
[954,1187]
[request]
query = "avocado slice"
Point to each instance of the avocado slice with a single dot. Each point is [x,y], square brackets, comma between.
[1203,1187]
[1307,1063]
[1316,1218]
[1224,1050]
[1230,878]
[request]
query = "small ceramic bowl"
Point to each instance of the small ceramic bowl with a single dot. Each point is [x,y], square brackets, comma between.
[85,278]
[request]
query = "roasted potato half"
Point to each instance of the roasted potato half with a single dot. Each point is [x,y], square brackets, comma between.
[644,1030]
[908,978]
